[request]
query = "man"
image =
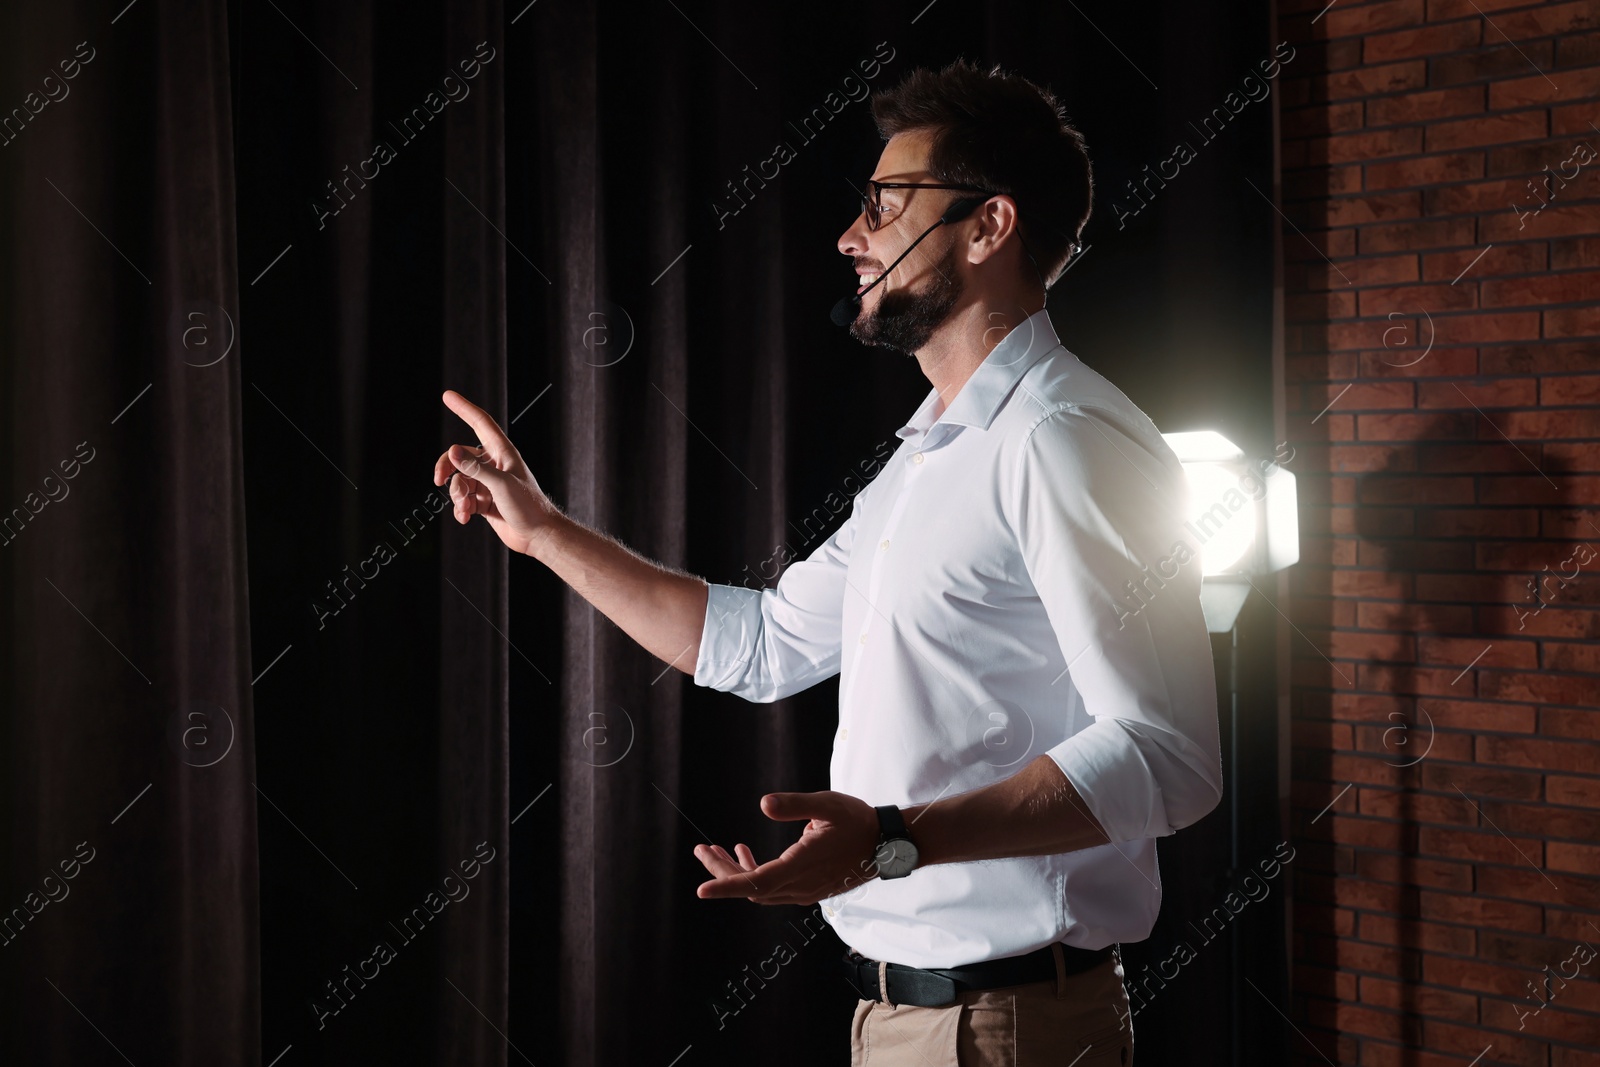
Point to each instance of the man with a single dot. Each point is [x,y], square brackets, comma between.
[1023,707]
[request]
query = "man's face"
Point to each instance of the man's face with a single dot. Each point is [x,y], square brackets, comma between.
[904,310]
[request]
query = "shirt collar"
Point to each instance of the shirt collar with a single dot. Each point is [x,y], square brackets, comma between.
[978,401]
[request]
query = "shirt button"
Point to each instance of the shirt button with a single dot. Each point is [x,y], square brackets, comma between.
[884,543]
[916,457]
[863,639]
[844,734]
[827,908]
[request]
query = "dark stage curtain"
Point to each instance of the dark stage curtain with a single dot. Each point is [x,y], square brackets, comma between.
[380,793]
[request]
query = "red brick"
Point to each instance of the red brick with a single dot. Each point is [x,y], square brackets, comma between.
[1543,820]
[1471,588]
[1341,644]
[1337,336]
[1356,210]
[1491,62]
[1443,10]
[1568,856]
[1480,654]
[1422,41]
[1414,427]
[1410,299]
[1480,911]
[1368,833]
[1416,236]
[1370,81]
[1583,456]
[1419,807]
[1375,144]
[1481,781]
[1572,322]
[1548,19]
[1531,752]
[1493,129]
[1468,1042]
[1392,930]
[1574,722]
[1493,393]
[1484,328]
[1419,1000]
[1428,170]
[1546,89]
[1526,883]
[1543,289]
[1540,688]
[1554,1023]
[1541,359]
[1570,389]
[1578,50]
[1360,396]
[1438,362]
[1499,195]
[1479,846]
[1532,157]
[1572,252]
[1550,222]
[1521,555]
[1422,681]
[1536,488]
[1413,618]
[1581,658]
[1572,119]
[1366,458]
[1425,106]
[1353,21]
[1378,270]
[1417,490]
[1478,522]
[1479,976]
[1501,259]
[1584,792]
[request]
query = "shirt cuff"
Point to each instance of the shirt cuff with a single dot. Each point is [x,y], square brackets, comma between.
[727,639]
[1104,763]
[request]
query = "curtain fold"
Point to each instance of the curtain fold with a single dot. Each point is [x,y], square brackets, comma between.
[130,870]
[473,725]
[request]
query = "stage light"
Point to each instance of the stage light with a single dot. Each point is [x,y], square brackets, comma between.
[1242,516]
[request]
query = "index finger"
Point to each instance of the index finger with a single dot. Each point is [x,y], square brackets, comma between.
[482,423]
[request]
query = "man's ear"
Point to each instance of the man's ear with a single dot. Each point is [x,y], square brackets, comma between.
[997,220]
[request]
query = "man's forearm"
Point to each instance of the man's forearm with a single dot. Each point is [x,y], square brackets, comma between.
[662,609]
[1035,812]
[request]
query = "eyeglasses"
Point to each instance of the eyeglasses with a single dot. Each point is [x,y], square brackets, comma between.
[872,205]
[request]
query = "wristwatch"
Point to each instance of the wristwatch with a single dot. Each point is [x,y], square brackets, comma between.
[896,854]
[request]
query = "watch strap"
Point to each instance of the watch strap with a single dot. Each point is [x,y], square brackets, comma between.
[891,823]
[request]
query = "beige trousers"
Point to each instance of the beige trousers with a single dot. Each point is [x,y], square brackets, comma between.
[1077,1020]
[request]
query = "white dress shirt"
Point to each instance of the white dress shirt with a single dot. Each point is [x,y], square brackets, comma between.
[974,605]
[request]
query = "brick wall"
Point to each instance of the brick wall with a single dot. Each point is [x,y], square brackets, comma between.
[1443,373]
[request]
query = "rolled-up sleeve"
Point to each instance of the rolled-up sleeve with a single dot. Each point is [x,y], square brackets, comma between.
[766,644]
[1091,507]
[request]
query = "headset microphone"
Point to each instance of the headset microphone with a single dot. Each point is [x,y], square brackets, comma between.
[845,311]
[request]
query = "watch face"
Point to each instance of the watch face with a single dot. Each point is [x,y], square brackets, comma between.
[895,858]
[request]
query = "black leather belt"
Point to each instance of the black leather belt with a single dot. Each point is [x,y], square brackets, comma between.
[932,988]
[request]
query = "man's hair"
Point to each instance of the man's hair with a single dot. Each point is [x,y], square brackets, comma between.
[1003,133]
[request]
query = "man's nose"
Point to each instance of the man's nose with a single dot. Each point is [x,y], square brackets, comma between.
[853,242]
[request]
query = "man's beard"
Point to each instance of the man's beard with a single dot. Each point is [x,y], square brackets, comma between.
[905,320]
